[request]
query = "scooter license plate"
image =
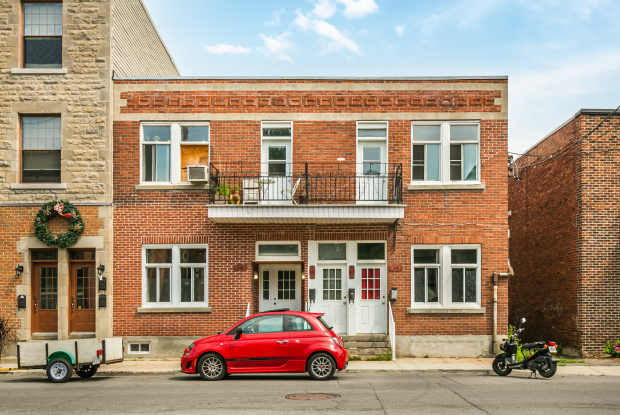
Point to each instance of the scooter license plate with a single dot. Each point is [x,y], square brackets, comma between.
[552,349]
[96,361]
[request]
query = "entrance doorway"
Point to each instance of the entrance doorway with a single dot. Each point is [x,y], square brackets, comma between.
[372,182]
[45,292]
[83,292]
[332,291]
[280,287]
[371,288]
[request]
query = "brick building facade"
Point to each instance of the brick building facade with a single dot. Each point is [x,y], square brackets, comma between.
[346,189]
[564,236]
[56,70]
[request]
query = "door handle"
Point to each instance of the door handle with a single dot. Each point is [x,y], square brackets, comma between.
[382,302]
[73,303]
[282,341]
[35,303]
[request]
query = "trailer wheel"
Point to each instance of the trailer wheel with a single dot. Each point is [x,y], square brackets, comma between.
[59,371]
[87,371]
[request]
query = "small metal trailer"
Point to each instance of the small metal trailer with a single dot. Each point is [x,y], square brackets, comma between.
[61,357]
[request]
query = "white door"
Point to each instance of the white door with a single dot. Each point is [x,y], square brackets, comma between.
[371,298]
[276,172]
[280,287]
[332,292]
[372,181]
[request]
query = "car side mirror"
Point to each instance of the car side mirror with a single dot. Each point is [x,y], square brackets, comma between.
[238,332]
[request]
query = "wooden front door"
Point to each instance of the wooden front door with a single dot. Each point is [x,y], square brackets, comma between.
[82,297]
[45,296]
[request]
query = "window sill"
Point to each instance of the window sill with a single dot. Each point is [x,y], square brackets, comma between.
[172,187]
[38,186]
[39,71]
[151,310]
[446,310]
[446,186]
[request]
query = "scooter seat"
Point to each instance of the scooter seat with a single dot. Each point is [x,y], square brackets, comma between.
[536,345]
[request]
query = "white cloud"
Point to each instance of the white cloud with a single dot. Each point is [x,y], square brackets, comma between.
[277,46]
[221,48]
[335,41]
[355,9]
[462,15]
[400,29]
[324,9]
[275,21]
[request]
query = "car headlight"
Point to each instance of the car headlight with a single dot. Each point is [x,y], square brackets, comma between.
[191,346]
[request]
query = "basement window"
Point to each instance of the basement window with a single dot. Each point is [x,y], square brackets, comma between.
[139,348]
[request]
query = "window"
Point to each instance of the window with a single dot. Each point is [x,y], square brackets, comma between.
[445,152]
[290,250]
[139,348]
[276,138]
[444,276]
[333,252]
[332,284]
[271,323]
[169,149]
[371,251]
[296,323]
[175,275]
[41,149]
[42,35]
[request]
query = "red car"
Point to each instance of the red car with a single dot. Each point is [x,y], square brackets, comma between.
[277,341]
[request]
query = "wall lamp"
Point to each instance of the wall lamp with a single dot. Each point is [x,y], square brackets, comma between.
[100,270]
[18,270]
[256,275]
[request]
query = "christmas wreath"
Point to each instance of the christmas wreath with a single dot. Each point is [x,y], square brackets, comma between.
[64,209]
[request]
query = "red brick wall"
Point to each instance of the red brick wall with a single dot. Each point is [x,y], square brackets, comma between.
[544,251]
[17,223]
[456,216]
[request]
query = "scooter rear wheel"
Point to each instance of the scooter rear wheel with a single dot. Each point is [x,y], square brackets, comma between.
[500,367]
[552,367]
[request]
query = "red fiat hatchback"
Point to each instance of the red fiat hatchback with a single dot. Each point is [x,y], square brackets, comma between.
[277,341]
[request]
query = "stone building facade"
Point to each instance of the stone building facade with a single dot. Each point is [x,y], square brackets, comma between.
[346,190]
[56,66]
[564,235]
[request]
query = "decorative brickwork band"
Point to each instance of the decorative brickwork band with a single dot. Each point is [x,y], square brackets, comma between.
[445,240]
[175,239]
[351,236]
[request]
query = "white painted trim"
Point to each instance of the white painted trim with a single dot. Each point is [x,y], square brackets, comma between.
[445,186]
[276,257]
[38,71]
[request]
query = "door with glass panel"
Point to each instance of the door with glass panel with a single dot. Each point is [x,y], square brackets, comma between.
[372,183]
[276,183]
[371,288]
[280,287]
[332,281]
[83,292]
[45,297]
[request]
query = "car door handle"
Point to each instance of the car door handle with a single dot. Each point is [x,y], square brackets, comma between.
[282,341]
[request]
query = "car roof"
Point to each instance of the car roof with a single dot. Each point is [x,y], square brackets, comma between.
[289,312]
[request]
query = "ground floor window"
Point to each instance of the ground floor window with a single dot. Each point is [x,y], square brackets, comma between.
[175,275]
[446,276]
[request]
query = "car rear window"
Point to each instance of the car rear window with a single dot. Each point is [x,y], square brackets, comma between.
[323,322]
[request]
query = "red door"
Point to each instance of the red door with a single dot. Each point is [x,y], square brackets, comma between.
[263,346]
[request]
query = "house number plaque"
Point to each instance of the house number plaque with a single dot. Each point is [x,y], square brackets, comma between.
[239,267]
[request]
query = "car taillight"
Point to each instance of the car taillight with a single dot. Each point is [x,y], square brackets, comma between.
[338,341]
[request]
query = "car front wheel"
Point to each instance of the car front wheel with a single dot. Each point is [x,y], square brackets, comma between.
[321,366]
[211,367]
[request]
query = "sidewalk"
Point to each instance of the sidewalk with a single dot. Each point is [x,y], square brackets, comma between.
[404,365]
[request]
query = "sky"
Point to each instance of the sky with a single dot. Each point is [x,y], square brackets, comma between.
[560,55]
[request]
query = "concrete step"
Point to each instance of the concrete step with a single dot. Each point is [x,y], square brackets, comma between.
[366,338]
[369,352]
[366,345]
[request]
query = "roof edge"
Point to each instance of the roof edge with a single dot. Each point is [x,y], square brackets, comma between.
[313,78]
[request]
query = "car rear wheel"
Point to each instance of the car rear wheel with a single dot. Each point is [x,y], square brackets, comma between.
[211,367]
[321,366]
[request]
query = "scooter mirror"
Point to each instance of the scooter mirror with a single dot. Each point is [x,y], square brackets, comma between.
[522,320]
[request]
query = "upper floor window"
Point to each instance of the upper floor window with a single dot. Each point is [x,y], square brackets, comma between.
[41,149]
[43,35]
[445,152]
[168,149]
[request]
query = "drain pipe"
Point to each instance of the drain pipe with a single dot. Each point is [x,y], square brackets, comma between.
[496,276]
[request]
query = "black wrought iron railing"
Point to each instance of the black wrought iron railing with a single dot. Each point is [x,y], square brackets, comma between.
[305,183]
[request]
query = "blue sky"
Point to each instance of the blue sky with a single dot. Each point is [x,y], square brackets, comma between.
[560,55]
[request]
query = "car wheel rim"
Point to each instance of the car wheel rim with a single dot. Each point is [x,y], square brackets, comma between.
[212,367]
[58,371]
[321,367]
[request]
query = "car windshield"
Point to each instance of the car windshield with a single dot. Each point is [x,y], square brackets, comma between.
[323,322]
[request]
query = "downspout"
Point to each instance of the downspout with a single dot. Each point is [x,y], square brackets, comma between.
[496,276]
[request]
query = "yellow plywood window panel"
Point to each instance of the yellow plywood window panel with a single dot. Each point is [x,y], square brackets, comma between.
[193,155]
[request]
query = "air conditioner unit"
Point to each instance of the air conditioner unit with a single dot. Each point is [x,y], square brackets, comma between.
[197,174]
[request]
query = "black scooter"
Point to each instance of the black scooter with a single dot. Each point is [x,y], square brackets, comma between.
[540,360]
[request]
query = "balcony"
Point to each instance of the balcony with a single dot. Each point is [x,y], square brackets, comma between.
[305,193]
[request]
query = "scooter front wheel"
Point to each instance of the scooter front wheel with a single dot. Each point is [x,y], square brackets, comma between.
[501,367]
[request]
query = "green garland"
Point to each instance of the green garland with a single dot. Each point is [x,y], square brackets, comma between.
[47,212]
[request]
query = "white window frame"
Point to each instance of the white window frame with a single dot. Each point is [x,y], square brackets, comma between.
[175,275]
[175,148]
[444,151]
[445,277]
[371,261]
[278,257]
[337,261]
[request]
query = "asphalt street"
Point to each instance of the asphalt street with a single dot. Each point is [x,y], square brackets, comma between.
[373,393]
